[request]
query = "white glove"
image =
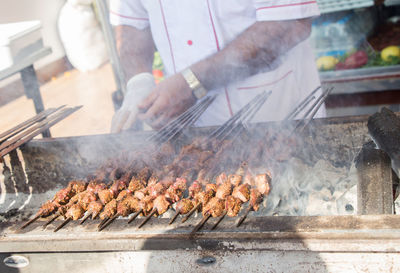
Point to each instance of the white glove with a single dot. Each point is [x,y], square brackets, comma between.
[138,88]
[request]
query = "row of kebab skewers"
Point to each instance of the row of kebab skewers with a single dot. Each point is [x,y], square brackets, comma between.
[144,194]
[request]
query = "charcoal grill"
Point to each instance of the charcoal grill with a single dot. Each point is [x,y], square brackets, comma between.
[265,243]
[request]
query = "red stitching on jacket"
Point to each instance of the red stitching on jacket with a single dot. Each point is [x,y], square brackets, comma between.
[169,40]
[218,48]
[266,84]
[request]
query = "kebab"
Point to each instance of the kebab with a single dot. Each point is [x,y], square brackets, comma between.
[126,201]
[216,206]
[233,202]
[74,213]
[84,198]
[119,190]
[60,198]
[88,200]
[262,188]
[163,201]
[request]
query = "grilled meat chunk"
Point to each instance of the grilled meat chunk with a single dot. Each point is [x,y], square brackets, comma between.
[133,203]
[75,212]
[146,204]
[152,180]
[136,184]
[215,207]
[224,190]
[204,197]
[194,189]
[86,198]
[109,210]
[106,195]
[63,196]
[211,187]
[95,186]
[235,179]
[161,204]
[184,206]
[232,206]
[262,183]
[255,199]
[157,190]
[128,205]
[140,194]
[77,186]
[122,195]
[94,208]
[242,192]
[173,194]
[47,208]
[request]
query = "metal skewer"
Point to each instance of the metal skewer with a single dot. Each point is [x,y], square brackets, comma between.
[187,216]
[201,224]
[315,109]
[147,218]
[249,208]
[55,216]
[85,218]
[66,221]
[18,140]
[22,126]
[102,223]
[109,222]
[133,217]
[187,118]
[219,221]
[37,216]
[174,217]
[302,104]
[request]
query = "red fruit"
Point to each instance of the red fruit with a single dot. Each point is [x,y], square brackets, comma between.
[356,60]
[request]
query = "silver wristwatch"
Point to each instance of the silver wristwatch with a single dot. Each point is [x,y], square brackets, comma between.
[197,88]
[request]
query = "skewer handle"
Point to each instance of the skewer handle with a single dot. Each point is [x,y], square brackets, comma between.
[85,218]
[190,213]
[244,216]
[202,222]
[51,220]
[102,223]
[147,218]
[219,221]
[37,216]
[134,216]
[108,222]
[174,217]
[63,224]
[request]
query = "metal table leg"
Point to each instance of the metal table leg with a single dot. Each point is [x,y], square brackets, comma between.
[32,91]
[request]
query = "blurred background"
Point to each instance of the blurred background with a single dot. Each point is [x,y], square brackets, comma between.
[356,50]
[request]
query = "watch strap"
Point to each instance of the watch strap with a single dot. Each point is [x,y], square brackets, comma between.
[197,88]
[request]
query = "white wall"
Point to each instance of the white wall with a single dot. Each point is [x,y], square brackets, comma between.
[44,10]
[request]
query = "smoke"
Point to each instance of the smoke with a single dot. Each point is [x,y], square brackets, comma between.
[303,190]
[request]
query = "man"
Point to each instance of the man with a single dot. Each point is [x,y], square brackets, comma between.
[235,49]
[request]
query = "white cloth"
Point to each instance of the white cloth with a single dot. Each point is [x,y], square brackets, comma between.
[186,32]
[137,89]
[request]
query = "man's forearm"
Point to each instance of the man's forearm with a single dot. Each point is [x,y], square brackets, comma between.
[135,48]
[253,51]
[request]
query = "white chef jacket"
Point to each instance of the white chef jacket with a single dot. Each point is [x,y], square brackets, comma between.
[187,31]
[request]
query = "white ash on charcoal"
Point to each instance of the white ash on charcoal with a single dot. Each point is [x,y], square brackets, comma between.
[302,190]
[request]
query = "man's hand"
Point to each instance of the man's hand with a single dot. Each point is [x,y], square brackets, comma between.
[138,88]
[168,99]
